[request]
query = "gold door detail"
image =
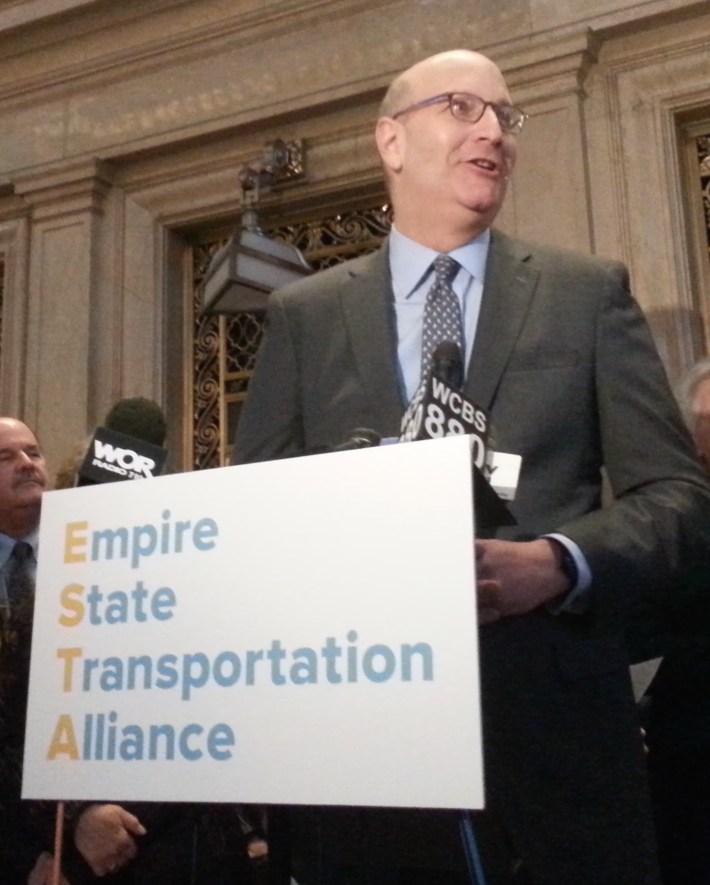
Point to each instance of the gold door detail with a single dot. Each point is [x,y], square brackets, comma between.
[2,296]
[224,348]
[703,145]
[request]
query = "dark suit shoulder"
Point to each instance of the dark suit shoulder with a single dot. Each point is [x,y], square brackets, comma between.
[325,284]
[550,257]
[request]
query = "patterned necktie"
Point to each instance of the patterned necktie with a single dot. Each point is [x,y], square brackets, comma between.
[16,615]
[442,312]
[17,571]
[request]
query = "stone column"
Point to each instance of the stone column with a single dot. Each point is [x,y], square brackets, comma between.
[68,320]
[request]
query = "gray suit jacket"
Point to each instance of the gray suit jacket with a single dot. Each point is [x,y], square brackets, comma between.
[564,362]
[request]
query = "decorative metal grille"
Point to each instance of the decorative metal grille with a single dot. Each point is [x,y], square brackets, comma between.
[703,146]
[224,348]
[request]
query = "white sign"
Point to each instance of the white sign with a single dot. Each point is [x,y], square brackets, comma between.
[298,631]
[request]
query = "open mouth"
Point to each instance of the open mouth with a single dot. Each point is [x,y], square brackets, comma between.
[482,163]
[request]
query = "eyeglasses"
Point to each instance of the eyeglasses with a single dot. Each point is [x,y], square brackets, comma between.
[469,107]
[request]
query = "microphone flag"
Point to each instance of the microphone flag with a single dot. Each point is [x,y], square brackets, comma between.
[439,409]
[114,456]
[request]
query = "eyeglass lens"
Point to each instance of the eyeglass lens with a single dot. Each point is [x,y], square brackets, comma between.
[471,108]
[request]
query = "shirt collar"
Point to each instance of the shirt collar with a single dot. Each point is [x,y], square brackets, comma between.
[410,262]
[7,543]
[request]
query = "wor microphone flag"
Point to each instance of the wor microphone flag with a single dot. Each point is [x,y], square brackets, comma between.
[115,456]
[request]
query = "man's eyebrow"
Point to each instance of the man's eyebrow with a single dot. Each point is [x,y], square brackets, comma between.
[30,447]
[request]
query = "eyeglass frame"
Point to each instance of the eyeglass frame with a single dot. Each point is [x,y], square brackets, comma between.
[449,96]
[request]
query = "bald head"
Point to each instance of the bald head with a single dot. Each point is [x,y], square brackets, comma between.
[447,170]
[423,74]
[23,479]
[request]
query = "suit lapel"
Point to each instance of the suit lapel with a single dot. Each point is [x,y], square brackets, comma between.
[507,292]
[368,314]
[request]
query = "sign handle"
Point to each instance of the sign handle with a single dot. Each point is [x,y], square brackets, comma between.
[58,838]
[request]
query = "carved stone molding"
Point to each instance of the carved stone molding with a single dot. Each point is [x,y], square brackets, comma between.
[645,86]
[68,324]
[177,71]
[14,235]
[65,189]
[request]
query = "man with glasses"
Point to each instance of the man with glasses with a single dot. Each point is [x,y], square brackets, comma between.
[558,352]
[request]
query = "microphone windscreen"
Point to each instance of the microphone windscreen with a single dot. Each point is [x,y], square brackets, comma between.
[140,418]
[447,350]
[447,363]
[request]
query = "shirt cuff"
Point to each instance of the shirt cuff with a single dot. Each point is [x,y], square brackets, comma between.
[576,602]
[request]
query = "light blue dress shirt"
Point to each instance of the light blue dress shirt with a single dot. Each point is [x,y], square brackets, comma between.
[412,277]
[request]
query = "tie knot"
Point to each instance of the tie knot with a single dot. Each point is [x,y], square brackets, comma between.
[21,552]
[445,269]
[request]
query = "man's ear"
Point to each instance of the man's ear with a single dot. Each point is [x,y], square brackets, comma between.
[389,135]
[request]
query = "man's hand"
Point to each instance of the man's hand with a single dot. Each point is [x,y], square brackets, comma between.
[258,851]
[104,837]
[42,871]
[514,577]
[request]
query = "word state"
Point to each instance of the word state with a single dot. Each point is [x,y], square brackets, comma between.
[117,607]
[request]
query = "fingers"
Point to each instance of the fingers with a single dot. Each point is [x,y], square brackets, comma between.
[486,561]
[488,591]
[131,823]
[515,577]
[488,600]
[104,837]
[42,870]
[488,594]
[115,861]
[488,616]
[122,850]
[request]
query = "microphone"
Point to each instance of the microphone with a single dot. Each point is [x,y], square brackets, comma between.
[128,447]
[360,438]
[440,409]
[140,418]
[447,363]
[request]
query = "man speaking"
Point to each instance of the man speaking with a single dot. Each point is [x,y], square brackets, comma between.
[557,352]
